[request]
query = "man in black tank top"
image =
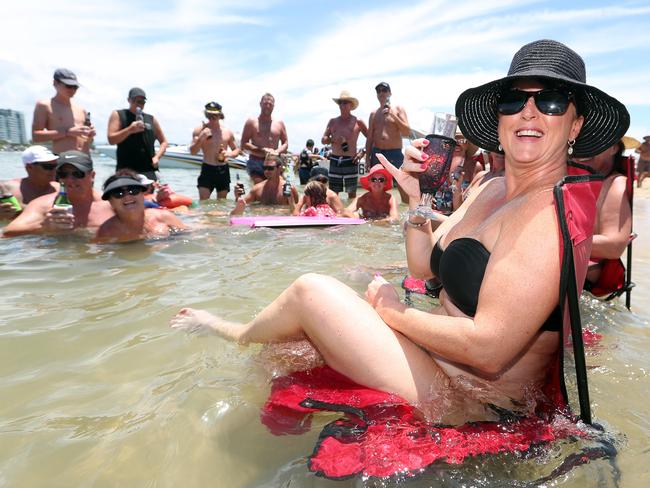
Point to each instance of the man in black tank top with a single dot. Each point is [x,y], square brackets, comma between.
[135,133]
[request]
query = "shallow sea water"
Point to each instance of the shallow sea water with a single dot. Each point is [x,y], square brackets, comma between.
[97,390]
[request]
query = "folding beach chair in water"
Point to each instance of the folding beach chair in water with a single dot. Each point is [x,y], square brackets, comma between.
[380,435]
[616,278]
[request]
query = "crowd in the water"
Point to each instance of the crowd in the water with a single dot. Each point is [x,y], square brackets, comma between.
[488,230]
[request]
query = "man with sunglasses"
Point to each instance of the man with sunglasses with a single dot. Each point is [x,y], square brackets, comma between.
[40,164]
[135,134]
[342,133]
[217,143]
[269,191]
[74,170]
[262,136]
[60,120]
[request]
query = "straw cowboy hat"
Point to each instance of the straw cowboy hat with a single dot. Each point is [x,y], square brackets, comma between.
[345,96]
[606,119]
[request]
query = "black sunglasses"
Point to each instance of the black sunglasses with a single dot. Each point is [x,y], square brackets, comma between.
[78,174]
[322,179]
[378,180]
[123,190]
[548,101]
[47,166]
[269,168]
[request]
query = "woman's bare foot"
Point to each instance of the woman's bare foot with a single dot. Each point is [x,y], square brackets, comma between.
[193,320]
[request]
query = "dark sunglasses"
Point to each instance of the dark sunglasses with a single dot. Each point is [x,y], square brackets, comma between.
[269,168]
[70,87]
[322,179]
[548,101]
[140,101]
[377,180]
[78,174]
[47,166]
[382,89]
[122,191]
[212,116]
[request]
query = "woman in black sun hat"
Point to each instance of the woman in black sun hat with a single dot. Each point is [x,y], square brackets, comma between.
[495,334]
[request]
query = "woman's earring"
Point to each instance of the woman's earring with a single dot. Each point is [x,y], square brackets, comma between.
[500,148]
[571,144]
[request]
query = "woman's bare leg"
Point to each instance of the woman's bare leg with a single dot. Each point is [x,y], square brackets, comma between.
[344,328]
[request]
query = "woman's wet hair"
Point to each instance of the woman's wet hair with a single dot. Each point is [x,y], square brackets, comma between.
[317,192]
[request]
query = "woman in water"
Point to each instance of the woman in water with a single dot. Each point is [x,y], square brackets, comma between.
[132,221]
[377,203]
[495,335]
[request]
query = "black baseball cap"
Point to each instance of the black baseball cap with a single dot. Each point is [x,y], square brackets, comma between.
[137,92]
[383,84]
[214,108]
[78,159]
[65,76]
[317,171]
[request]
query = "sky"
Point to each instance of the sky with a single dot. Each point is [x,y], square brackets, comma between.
[187,53]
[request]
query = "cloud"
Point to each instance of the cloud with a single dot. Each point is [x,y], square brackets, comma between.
[186,53]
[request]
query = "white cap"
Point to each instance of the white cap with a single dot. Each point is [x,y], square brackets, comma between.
[143,179]
[38,154]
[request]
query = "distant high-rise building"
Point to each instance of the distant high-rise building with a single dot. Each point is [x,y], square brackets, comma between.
[12,126]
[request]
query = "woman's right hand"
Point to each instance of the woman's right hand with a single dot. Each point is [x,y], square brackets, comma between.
[414,163]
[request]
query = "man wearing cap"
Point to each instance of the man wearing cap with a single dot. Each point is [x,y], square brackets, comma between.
[62,121]
[387,126]
[342,133]
[217,143]
[261,136]
[135,134]
[40,164]
[643,166]
[74,170]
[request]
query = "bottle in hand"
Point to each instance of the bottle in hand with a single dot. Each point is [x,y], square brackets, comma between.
[7,197]
[61,201]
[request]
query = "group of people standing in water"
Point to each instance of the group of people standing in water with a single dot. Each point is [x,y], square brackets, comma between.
[490,250]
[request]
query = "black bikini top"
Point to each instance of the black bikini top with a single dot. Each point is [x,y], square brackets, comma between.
[461,267]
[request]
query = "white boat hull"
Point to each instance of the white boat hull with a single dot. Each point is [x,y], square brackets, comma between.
[176,157]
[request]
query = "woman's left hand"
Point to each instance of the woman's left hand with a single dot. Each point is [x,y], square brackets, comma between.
[381,295]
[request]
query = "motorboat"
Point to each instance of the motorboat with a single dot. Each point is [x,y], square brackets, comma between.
[176,156]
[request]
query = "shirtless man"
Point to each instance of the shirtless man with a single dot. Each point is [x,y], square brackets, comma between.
[267,192]
[213,139]
[62,121]
[386,127]
[643,166]
[263,135]
[342,133]
[74,170]
[40,165]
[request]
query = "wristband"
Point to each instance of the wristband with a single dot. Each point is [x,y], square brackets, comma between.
[415,224]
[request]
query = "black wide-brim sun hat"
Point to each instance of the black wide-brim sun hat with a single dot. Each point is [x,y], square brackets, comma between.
[606,119]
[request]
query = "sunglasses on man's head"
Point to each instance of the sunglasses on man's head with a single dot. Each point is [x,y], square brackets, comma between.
[377,180]
[78,174]
[550,101]
[269,168]
[123,190]
[46,166]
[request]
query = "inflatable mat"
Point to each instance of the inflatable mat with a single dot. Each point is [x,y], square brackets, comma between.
[292,221]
